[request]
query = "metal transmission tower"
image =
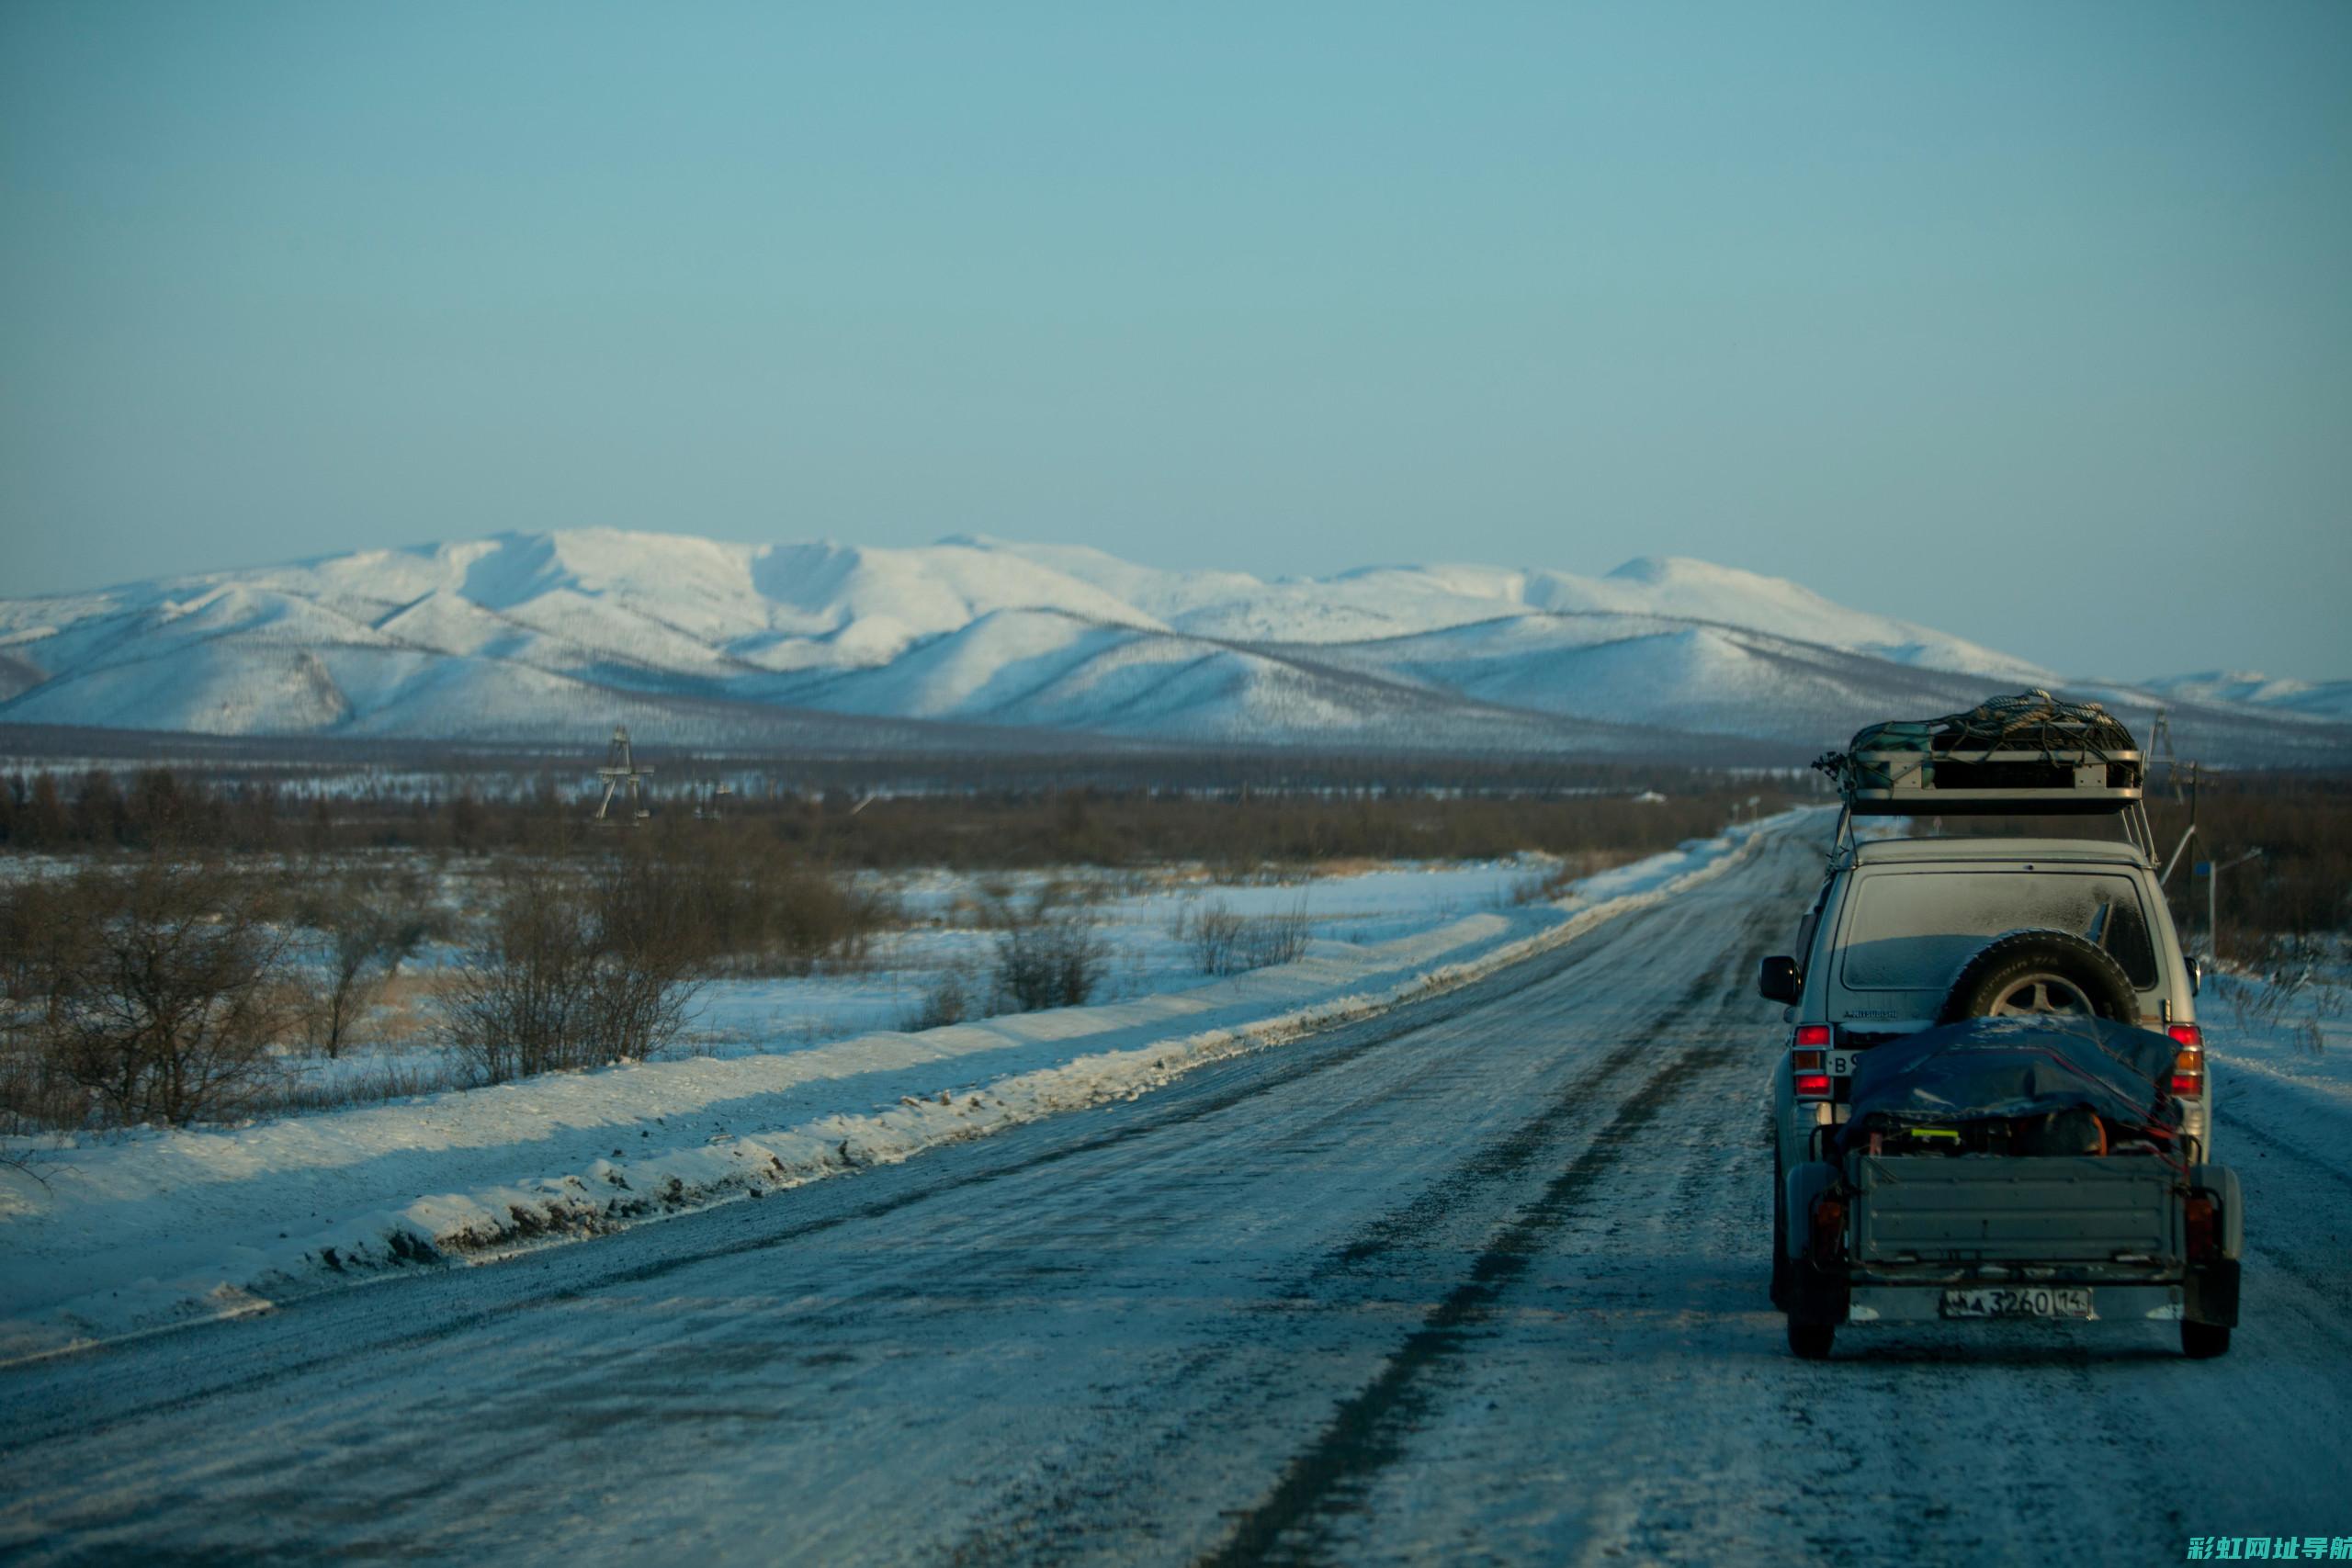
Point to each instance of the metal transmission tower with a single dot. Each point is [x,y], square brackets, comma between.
[621,768]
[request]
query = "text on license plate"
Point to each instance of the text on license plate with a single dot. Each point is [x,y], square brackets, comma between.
[1843,1062]
[2032,1301]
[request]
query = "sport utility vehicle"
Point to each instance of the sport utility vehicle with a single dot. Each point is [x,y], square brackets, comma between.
[1907,935]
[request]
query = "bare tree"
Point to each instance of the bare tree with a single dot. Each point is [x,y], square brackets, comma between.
[158,999]
[574,976]
[368,931]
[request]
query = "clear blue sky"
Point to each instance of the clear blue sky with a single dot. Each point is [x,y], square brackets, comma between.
[2033,322]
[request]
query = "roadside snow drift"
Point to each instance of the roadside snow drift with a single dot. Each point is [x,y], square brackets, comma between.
[162,1227]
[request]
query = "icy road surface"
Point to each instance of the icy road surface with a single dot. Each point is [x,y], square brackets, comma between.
[1480,1279]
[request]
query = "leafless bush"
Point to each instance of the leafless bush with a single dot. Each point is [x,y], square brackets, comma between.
[35,1095]
[151,995]
[1574,865]
[1045,958]
[367,928]
[574,974]
[1224,942]
[1213,934]
[2290,974]
[1279,937]
[752,907]
[952,997]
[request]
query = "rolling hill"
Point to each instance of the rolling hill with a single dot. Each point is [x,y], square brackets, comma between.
[976,641]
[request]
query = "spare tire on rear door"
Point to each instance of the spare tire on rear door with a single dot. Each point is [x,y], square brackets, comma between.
[2040,972]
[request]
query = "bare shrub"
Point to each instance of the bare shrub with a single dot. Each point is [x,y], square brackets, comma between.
[146,995]
[649,945]
[367,929]
[1045,958]
[574,974]
[1214,935]
[1224,942]
[2290,974]
[44,928]
[522,1002]
[1279,937]
[755,906]
[952,997]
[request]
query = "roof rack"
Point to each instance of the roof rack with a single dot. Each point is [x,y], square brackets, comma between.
[2027,755]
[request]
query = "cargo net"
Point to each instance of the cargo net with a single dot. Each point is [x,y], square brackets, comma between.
[2032,723]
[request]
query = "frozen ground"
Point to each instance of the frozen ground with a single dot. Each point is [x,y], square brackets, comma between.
[2283,1088]
[944,927]
[1146,956]
[1477,1278]
[155,1227]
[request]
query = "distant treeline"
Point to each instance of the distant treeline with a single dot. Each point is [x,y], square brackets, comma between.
[2302,821]
[2300,887]
[96,811]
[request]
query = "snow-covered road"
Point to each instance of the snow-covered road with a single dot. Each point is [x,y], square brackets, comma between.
[1482,1278]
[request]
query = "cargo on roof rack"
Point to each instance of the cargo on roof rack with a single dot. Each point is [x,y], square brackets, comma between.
[2029,754]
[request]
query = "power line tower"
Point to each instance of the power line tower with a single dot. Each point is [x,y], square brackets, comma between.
[621,768]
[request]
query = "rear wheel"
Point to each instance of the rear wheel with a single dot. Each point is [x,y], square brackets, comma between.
[1811,1341]
[2203,1341]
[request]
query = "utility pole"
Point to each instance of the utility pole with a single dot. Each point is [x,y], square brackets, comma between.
[2191,832]
[2160,741]
[2212,872]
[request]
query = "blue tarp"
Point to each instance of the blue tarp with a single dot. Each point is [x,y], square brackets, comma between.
[2009,1068]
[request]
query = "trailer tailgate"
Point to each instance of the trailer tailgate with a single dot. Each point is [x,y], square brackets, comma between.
[2015,1209]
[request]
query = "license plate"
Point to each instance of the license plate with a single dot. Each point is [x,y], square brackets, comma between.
[1843,1062]
[2032,1301]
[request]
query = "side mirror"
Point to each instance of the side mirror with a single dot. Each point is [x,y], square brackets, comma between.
[2196,974]
[1781,980]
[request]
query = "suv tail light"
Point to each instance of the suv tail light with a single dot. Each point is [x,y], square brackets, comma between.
[2189,1061]
[1808,1059]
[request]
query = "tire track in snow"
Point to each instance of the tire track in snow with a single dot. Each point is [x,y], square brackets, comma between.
[1253,1073]
[1478,1188]
[1369,1432]
[1511,1155]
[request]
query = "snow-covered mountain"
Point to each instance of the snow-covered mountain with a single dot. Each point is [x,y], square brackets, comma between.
[978,641]
[2247,688]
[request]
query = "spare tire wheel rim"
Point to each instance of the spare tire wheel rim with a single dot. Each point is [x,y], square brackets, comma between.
[2037,994]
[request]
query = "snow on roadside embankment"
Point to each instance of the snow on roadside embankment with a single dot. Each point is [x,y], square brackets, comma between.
[2282,1062]
[165,1226]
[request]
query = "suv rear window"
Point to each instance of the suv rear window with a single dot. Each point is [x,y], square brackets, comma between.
[1912,930]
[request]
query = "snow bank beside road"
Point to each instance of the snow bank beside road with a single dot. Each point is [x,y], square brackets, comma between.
[164,1226]
[2282,1060]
